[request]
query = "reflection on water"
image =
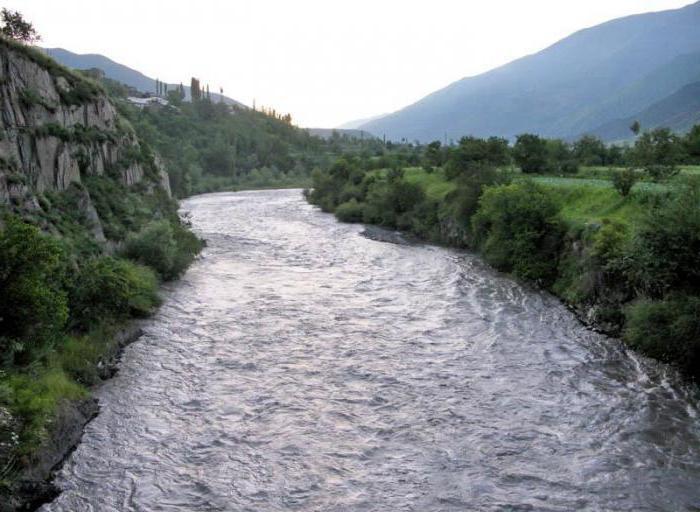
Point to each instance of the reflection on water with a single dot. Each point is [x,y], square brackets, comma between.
[302,366]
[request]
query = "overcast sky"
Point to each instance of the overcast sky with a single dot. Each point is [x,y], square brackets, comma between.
[326,62]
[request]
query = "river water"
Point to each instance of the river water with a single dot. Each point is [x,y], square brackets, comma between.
[300,365]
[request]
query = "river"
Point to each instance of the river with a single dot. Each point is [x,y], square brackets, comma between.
[300,365]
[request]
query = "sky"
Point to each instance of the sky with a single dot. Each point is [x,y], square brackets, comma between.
[325,62]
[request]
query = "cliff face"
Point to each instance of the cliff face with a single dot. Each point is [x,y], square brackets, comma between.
[56,128]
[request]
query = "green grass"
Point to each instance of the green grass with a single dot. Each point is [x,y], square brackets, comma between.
[35,397]
[435,185]
[585,204]
[583,200]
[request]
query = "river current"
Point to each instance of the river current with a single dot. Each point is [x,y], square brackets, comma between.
[301,365]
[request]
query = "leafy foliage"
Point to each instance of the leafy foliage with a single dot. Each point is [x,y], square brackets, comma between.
[33,303]
[518,231]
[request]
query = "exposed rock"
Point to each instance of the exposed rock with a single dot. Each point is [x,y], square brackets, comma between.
[54,133]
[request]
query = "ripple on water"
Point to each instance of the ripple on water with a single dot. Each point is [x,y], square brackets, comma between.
[301,366]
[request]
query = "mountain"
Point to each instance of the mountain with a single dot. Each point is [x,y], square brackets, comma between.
[597,75]
[679,111]
[118,72]
[356,123]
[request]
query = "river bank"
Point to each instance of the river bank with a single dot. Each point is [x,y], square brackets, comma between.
[624,264]
[33,485]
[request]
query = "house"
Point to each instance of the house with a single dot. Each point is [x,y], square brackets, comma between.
[147,102]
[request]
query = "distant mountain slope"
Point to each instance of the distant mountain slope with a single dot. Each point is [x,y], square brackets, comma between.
[679,111]
[117,71]
[594,76]
[356,123]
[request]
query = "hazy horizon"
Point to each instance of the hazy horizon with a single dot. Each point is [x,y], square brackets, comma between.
[325,64]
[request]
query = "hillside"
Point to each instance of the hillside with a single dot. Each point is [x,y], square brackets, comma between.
[679,111]
[118,72]
[622,67]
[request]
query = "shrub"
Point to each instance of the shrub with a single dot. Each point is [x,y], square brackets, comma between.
[188,246]
[668,330]
[518,229]
[350,211]
[33,305]
[167,248]
[623,181]
[107,287]
[666,252]
[391,202]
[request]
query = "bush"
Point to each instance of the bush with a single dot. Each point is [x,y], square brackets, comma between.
[154,246]
[623,181]
[33,304]
[350,211]
[391,202]
[668,330]
[666,252]
[188,246]
[107,287]
[518,229]
[167,248]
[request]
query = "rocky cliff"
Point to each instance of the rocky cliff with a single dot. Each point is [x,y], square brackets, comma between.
[58,127]
[65,155]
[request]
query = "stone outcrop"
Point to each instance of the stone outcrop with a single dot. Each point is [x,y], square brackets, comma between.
[56,128]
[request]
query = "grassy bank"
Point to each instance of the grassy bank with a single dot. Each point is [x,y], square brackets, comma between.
[627,263]
[66,298]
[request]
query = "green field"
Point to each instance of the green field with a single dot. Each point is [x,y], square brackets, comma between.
[584,199]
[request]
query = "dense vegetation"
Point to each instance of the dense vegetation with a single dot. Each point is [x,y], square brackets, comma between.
[64,296]
[613,230]
[210,146]
[71,275]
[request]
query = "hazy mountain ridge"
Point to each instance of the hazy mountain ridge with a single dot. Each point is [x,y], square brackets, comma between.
[679,111]
[619,71]
[119,72]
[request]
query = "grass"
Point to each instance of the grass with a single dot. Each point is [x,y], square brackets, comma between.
[435,185]
[584,204]
[583,200]
[36,396]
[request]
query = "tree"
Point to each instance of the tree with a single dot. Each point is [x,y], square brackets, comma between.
[658,152]
[590,150]
[636,128]
[472,153]
[195,90]
[530,153]
[15,27]
[560,158]
[692,144]
[433,156]
[624,181]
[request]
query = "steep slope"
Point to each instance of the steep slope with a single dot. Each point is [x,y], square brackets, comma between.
[679,111]
[118,72]
[57,128]
[78,192]
[574,85]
